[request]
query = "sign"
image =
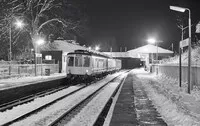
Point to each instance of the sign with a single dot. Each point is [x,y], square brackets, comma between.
[198,28]
[184,43]
[48,57]
[38,55]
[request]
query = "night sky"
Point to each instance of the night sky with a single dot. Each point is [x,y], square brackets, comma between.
[131,22]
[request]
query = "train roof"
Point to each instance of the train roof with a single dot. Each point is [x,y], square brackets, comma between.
[89,52]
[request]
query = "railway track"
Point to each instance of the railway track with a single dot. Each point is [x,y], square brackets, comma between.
[89,111]
[38,109]
[23,100]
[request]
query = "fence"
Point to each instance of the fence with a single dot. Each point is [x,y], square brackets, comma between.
[172,70]
[8,70]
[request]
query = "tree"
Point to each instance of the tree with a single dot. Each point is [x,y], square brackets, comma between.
[42,18]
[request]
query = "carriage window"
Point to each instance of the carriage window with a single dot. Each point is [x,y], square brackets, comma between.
[78,61]
[86,62]
[70,61]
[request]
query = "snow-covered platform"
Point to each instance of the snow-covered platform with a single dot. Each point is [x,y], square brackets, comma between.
[27,80]
[18,87]
[150,99]
[133,107]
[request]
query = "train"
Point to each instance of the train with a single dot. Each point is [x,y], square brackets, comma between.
[87,65]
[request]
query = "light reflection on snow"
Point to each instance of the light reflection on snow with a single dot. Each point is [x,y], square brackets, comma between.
[174,103]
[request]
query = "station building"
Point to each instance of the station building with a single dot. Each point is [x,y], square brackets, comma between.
[142,56]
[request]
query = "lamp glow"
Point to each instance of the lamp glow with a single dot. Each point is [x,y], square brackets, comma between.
[40,41]
[175,8]
[97,48]
[151,40]
[19,24]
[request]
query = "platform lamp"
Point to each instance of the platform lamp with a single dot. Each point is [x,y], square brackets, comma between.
[182,9]
[154,41]
[18,24]
[38,42]
[97,48]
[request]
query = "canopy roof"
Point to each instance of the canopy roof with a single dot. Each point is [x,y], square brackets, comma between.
[149,49]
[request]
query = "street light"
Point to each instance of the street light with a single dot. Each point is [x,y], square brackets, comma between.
[154,41]
[38,42]
[89,47]
[97,48]
[182,9]
[18,24]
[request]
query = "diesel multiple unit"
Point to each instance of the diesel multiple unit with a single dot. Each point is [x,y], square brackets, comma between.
[86,64]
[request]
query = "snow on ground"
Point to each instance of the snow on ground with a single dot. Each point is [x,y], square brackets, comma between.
[36,103]
[195,58]
[50,112]
[174,103]
[89,113]
[17,81]
[56,110]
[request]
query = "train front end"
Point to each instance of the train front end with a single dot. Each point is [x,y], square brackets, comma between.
[78,66]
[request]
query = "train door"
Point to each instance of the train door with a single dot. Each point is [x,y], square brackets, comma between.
[86,64]
[78,64]
[70,64]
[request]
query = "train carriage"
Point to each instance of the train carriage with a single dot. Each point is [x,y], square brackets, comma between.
[83,64]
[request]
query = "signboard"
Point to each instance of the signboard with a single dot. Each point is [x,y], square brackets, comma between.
[48,57]
[38,55]
[198,28]
[184,43]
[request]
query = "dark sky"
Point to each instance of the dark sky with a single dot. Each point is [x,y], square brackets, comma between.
[131,22]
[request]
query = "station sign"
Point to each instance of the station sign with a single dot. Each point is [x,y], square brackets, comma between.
[38,55]
[48,57]
[184,43]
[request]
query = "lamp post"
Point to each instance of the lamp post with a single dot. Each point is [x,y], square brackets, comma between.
[18,24]
[38,42]
[182,9]
[154,41]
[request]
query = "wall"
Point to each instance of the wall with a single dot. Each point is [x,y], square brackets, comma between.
[173,71]
[57,55]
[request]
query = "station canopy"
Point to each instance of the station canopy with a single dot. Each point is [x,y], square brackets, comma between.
[147,49]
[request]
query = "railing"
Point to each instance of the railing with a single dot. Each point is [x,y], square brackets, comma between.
[10,70]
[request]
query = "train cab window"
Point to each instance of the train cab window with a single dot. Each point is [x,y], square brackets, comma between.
[70,61]
[86,62]
[78,61]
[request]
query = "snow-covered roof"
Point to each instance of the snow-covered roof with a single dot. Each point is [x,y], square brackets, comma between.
[149,49]
[62,45]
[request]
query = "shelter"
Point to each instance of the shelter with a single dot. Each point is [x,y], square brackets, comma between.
[148,53]
[147,49]
[144,55]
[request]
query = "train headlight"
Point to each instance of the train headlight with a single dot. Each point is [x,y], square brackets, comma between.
[86,71]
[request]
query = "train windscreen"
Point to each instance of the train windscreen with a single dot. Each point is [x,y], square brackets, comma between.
[70,61]
[78,61]
[86,61]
